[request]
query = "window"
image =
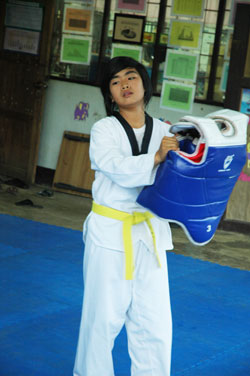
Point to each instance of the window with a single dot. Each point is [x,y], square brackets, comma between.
[213,52]
[59,67]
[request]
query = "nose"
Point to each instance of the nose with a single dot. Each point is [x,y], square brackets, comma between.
[125,85]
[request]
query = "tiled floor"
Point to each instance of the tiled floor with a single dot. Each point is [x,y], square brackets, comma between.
[66,210]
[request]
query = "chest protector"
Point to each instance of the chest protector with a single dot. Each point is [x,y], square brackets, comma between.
[193,185]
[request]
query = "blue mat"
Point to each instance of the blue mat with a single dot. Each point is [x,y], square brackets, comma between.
[41,296]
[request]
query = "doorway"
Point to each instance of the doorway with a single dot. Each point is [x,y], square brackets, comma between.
[25,39]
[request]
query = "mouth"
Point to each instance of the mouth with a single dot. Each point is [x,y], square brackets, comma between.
[127,94]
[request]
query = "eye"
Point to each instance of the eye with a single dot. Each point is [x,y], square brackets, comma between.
[114,83]
[132,77]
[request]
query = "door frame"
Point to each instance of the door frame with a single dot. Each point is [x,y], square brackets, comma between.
[41,66]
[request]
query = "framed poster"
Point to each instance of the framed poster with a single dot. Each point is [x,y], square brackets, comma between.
[77,20]
[186,34]
[181,65]
[76,49]
[177,96]
[131,5]
[130,51]
[128,28]
[189,8]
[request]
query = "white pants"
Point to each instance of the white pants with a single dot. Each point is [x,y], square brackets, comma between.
[143,304]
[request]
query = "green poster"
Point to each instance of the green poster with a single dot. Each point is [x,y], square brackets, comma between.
[191,8]
[177,97]
[75,50]
[181,65]
[185,34]
[134,52]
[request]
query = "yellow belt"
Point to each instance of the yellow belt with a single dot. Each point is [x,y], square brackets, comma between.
[128,221]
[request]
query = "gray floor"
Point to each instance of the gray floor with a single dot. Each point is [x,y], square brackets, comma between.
[226,248]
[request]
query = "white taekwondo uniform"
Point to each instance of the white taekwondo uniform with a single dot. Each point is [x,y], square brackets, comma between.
[110,301]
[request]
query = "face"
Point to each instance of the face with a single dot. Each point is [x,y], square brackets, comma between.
[126,89]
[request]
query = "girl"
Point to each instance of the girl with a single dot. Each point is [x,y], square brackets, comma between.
[125,268]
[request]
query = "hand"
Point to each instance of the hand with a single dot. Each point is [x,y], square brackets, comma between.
[167,143]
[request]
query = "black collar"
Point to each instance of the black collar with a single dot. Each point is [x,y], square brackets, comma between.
[131,135]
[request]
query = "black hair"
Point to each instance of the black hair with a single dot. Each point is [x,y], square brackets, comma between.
[114,66]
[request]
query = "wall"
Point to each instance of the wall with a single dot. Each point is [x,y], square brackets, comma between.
[59,115]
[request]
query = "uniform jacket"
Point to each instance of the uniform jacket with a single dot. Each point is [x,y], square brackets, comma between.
[119,178]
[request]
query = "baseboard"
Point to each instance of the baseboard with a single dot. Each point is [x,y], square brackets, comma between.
[235,226]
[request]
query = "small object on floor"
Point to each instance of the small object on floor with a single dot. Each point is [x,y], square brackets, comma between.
[12,190]
[17,183]
[45,193]
[28,202]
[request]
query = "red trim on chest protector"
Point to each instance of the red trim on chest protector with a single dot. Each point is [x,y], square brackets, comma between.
[197,156]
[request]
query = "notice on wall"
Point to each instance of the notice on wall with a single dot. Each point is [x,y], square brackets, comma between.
[177,96]
[131,5]
[77,20]
[21,40]
[24,15]
[188,8]
[135,52]
[76,49]
[185,34]
[181,65]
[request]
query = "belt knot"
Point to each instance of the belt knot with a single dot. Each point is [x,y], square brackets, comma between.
[128,221]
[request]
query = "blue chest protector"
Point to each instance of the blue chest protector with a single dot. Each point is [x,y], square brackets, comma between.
[193,185]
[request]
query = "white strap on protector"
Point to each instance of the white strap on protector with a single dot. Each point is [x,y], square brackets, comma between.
[234,131]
